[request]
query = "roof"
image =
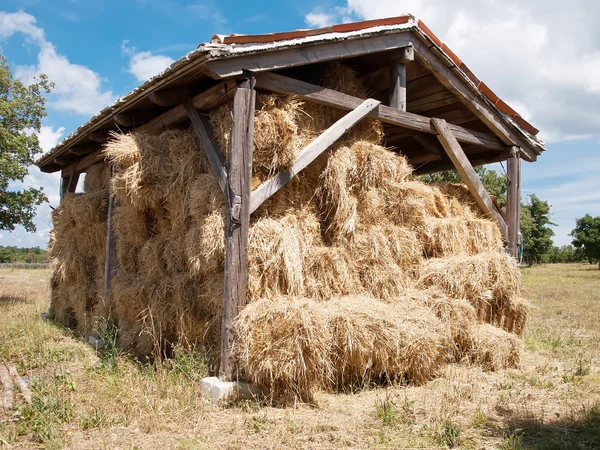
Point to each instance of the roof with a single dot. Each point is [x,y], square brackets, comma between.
[226,48]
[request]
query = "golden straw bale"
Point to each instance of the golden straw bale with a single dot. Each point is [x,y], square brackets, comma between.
[331,272]
[210,294]
[132,226]
[460,200]
[464,276]
[512,315]
[97,177]
[374,340]
[411,203]
[495,349]
[445,237]
[283,346]
[205,244]
[205,197]
[484,236]
[278,253]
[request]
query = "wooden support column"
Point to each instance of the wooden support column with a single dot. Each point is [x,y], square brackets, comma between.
[110,260]
[398,79]
[513,200]
[68,183]
[468,174]
[237,221]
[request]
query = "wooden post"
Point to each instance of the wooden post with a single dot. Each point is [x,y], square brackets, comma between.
[68,183]
[237,221]
[109,263]
[398,79]
[513,200]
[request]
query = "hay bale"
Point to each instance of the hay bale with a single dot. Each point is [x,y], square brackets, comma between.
[495,349]
[283,346]
[331,272]
[97,177]
[372,340]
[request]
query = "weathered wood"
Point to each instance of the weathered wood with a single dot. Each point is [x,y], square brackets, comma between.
[82,164]
[405,55]
[310,153]
[481,108]
[237,223]
[110,249]
[81,150]
[25,391]
[205,134]
[428,145]
[398,86]
[169,97]
[513,200]
[133,118]
[64,160]
[471,179]
[475,160]
[286,85]
[293,56]
[9,396]
[68,183]
[99,136]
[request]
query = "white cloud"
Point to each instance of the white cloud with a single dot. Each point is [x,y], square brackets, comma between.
[77,88]
[319,20]
[145,65]
[49,137]
[542,57]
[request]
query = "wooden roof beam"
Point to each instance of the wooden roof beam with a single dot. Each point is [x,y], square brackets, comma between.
[169,97]
[286,85]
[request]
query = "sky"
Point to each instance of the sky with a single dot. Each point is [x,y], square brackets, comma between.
[541,56]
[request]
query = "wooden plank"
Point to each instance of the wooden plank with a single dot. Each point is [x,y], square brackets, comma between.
[310,153]
[68,183]
[205,135]
[441,166]
[110,260]
[20,382]
[471,179]
[286,85]
[294,56]
[99,136]
[81,150]
[237,223]
[398,86]
[513,200]
[169,97]
[481,108]
[428,145]
[82,164]
[8,397]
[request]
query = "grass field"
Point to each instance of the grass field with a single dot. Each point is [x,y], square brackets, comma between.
[84,401]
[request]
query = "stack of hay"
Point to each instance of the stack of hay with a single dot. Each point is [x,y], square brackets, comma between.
[358,271]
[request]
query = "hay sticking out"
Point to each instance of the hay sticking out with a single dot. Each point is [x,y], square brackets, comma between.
[97,178]
[495,349]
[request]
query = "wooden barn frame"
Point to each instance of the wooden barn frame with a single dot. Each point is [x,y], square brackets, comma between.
[431,104]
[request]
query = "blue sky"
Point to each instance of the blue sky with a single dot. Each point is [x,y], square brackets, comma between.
[545,66]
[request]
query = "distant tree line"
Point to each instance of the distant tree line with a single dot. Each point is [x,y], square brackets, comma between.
[23,255]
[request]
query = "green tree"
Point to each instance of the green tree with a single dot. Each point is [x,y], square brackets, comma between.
[21,110]
[494,183]
[587,237]
[535,222]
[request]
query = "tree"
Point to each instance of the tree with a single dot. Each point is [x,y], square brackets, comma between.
[587,237]
[537,236]
[494,183]
[21,110]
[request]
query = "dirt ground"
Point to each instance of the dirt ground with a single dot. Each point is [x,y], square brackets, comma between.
[81,400]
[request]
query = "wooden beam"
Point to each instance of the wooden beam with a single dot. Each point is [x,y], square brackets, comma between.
[100,136]
[310,153]
[206,137]
[480,107]
[133,118]
[82,164]
[63,160]
[475,160]
[169,97]
[428,145]
[294,56]
[398,86]
[110,260]
[286,85]
[471,179]
[237,222]
[68,183]
[81,150]
[513,201]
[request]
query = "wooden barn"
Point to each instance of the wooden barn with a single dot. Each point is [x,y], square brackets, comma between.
[433,111]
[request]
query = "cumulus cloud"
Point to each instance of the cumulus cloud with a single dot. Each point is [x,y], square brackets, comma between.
[319,20]
[77,88]
[144,65]
[541,60]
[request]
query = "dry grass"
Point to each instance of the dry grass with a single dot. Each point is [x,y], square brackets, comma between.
[82,400]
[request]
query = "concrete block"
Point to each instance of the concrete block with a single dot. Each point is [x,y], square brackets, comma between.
[216,390]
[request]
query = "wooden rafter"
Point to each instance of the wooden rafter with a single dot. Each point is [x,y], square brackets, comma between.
[471,179]
[310,153]
[286,85]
